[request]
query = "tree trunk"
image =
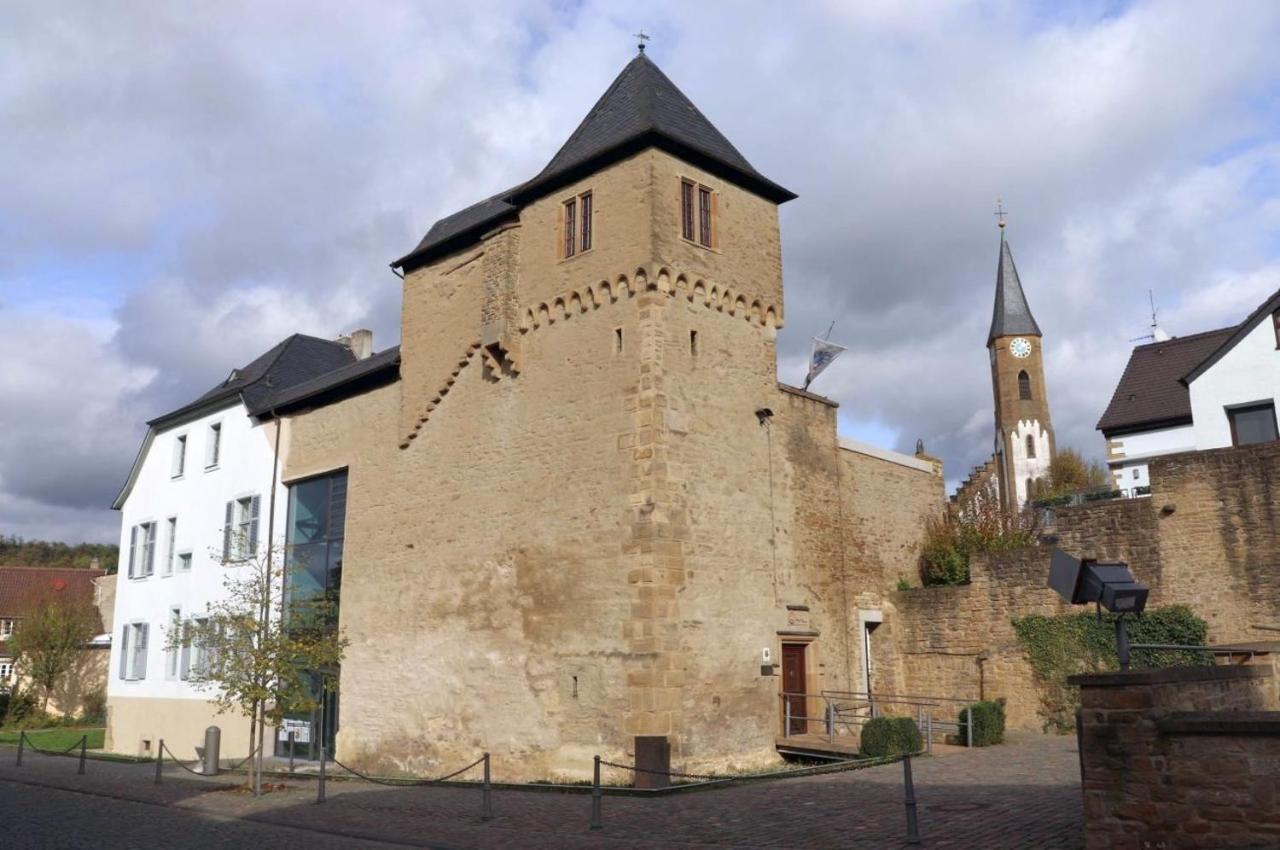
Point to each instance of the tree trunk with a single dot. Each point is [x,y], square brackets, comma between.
[253,731]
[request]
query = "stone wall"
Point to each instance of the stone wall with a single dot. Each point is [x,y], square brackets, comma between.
[1181,758]
[1209,538]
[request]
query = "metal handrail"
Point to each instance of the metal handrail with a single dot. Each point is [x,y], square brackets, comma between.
[1250,651]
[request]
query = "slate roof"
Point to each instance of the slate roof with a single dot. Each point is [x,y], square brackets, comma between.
[374,370]
[1151,392]
[1011,315]
[292,361]
[642,108]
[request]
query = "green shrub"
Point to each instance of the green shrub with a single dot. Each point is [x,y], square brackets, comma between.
[22,710]
[94,707]
[988,723]
[903,584]
[951,539]
[891,736]
[1060,646]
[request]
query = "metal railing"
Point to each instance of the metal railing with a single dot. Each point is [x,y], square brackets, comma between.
[1248,652]
[846,709]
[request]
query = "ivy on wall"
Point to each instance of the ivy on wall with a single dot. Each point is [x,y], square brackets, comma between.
[1065,644]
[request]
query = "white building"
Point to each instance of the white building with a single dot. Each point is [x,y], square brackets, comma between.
[201,482]
[1205,391]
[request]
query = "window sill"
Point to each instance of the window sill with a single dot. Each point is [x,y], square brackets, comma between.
[214,468]
[177,477]
[575,256]
[696,244]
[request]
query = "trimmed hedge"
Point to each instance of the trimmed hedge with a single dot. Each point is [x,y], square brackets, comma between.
[891,736]
[988,723]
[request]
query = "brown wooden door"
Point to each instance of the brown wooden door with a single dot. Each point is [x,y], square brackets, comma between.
[793,683]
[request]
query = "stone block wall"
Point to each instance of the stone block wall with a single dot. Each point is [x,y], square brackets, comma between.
[1181,758]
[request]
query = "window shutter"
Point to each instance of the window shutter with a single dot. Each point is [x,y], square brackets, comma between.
[133,549]
[124,651]
[150,549]
[253,525]
[226,532]
[140,667]
[186,654]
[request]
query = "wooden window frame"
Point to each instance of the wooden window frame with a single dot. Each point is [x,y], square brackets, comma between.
[1024,386]
[686,208]
[569,214]
[1249,408]
[699,214]
[585,209]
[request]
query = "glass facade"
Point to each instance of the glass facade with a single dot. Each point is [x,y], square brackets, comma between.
[313,568]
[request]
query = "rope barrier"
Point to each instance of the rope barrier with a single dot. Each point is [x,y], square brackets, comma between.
[164,748]
[405,783]
[67,751]
[708,778]
[245,760]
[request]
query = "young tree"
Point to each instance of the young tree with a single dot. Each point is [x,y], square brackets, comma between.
[1069,473]
[261,652]
[49,640]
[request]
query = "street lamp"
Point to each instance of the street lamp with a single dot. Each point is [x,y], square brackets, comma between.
[1107,584]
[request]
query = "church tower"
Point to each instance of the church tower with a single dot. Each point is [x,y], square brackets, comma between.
[1024,442]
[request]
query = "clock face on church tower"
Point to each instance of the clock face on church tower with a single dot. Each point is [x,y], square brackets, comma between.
[1020,347]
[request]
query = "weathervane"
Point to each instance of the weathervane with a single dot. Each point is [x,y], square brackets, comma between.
[643,36]
[1000,213]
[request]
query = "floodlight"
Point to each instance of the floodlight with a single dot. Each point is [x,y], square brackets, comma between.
[1107,584]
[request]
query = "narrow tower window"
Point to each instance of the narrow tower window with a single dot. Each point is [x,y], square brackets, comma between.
[570,226]
[686,209]
[704,216]
[1030,486]
[586,222]
[693,343]
[1024,385]
[617,340]
[1031,446]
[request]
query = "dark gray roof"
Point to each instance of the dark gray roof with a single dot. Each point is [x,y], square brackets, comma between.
[1239,332]
[1011,315]
[1150,393]
[642,108]
[290,362]
[375,370]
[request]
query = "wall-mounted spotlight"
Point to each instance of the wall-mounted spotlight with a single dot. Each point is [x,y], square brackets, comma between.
[764,414]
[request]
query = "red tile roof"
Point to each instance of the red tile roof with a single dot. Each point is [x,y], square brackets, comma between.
[17,584]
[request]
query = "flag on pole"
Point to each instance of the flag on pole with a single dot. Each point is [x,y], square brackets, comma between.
[824,351]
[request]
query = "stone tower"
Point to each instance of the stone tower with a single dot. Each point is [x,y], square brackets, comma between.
[1024,441]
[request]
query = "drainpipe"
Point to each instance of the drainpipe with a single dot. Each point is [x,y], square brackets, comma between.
[266,607]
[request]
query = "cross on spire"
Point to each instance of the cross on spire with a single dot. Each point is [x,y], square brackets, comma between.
[643,37]
[1000,213]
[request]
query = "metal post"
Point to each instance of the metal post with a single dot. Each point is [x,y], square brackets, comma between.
[968,726]
[928,731]
[320,789]
[913,828]
[596,820]
[84,743]
[291,751]
[486,802]
[22,739]
[1122,642]
[159,760]
[786,724]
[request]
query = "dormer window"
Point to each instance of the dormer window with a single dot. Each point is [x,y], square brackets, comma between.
[697,213]
[577,218]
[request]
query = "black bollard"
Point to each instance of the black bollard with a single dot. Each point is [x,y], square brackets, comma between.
[596,820]
[291,752]
[22,739]
[84,743]
[320,789]
[913,828]
[486,802]
[159,760]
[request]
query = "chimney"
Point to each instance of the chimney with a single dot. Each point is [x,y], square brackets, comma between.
[361,343]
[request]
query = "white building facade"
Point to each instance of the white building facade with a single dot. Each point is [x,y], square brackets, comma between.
[1234,392]
[196,507]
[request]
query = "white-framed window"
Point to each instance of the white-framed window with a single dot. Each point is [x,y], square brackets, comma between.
[179,456]
[240,529]
[6,670]
[133,651]
[173,652]
[184,562]
[6,629]
[213,446]
[195,654]
[142,550]
[171,527]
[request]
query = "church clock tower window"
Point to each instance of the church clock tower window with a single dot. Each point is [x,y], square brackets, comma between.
[1031,446]
[1024,385]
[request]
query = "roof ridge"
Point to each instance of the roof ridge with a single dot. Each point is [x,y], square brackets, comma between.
[1186,338]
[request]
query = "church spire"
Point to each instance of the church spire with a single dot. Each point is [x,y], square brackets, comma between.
[1011,315]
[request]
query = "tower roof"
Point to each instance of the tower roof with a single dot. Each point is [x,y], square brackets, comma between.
[642,108]
[1011,314]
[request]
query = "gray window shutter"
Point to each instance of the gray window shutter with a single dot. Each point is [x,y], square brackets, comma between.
[226,531]
[133,549]
[141,671]
[150,566]
[186,659]
[124,651]
[253,525]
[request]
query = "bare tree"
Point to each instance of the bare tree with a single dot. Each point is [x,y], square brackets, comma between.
[260,651]
[51,636]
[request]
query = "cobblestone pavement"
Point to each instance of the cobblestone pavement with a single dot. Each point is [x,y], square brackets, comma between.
[1023,794]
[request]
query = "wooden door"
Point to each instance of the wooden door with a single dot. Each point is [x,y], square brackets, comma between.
[793,684]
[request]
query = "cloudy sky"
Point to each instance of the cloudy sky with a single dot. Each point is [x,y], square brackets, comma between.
[181,185]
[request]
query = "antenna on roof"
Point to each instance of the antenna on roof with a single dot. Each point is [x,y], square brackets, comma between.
[1157,333]
[643,37]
